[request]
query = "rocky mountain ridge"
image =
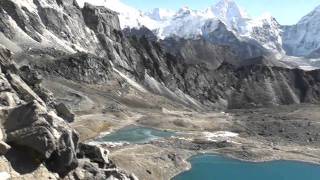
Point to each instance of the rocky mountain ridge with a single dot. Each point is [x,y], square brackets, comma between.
[264,33]
[192,24]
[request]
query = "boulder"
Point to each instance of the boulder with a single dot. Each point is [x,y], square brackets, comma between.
[94,164]
[64,112]
[50,138]
[24,91]
[30,76]
[46,95]
[94,153]
[9,99]
[6,62]
[90,170]
[4,84]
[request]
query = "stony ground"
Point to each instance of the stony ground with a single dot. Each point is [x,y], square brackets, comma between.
[284,132]
[289,136]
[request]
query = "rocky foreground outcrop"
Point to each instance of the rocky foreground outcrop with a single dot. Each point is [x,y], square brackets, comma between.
[35,143]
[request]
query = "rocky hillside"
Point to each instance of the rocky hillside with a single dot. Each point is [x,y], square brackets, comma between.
[194,73]
[36,143]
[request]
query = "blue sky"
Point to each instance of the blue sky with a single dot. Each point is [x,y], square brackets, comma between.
[285,11]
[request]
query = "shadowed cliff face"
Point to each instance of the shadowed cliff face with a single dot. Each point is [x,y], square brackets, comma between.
[252,85]
[181,70]
[199,51]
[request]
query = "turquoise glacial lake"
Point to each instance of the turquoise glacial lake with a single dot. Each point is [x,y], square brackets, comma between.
[136,135]
[214,167]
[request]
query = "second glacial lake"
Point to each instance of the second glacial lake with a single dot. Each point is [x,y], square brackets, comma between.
[215,167]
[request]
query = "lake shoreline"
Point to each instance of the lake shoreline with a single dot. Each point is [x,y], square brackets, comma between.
[213,133]
[217,152]
[209,160]
[258,161]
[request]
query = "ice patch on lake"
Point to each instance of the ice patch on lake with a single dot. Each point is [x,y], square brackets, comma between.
[220,135]
[108,144]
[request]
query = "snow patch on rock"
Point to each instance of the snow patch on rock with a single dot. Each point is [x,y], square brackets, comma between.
[27,4]
[220,135]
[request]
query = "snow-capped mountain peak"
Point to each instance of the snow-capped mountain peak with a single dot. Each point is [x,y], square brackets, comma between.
[315,14]
[189,23]
[303,39]
[159,14]
[184,11]
[228,10]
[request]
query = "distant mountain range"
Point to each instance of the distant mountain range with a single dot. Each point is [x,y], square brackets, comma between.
[235,26]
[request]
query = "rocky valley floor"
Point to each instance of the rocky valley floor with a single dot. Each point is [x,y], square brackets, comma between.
[261,134]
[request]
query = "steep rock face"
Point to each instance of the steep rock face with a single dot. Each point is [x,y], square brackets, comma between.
[80,67]
[100,19]
[25,19]
[238,85]
[252,85]
[268,86]
[105,24]
[36,25]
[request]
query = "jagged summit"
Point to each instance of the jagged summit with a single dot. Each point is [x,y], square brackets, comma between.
[228,10]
